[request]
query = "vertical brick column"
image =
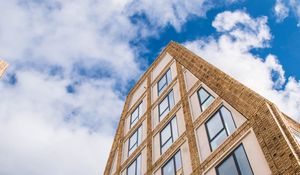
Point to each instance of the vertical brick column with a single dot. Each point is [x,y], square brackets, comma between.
[117,143]
[149,126]
[195,160]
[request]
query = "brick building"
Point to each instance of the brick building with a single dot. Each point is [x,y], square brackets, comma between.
[3,66]
[185,116]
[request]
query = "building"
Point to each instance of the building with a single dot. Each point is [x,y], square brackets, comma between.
[3,66]
[185,116]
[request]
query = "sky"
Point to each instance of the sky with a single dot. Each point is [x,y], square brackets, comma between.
[72,63]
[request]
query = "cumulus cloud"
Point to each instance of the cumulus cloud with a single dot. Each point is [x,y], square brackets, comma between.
[283,8]
[70,64]
[231,52]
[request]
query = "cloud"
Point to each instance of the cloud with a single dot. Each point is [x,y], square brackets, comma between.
[283,8]
[239,35]
[70,64]
[281,11]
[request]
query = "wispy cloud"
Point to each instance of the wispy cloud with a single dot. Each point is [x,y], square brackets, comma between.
[284,8]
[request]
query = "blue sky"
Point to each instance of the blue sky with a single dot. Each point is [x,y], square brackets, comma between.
[72,62]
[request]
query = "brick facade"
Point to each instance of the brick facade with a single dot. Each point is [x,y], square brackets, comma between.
[272,129]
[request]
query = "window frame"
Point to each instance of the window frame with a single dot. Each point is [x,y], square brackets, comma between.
[174,162]
[198,94]
[132,123]
[137,140]
[169,107]
[223,124]
[160,90]
[172,134]
[296,135]
[199,99]
[232,153]
[134,162]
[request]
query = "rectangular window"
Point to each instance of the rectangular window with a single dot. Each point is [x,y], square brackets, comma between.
[205,98]
[134,140]
[135,115]
[173,165]
[164,81]
[236,163]
[135,167]
[168,135]
[296,135]
[166,105]
[219,127]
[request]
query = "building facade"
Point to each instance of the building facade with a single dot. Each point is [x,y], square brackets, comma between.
[185,116]
[3,66]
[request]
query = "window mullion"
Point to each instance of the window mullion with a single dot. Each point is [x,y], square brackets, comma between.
[236,163]
[222,119]
[217,134]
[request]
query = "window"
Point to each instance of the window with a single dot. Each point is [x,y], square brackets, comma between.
[236,163]
[219,127]
[205,98]
[164,81]
[296,135]
[168,135]
[166,105]
[135,115]
[135,167]
[173,165]
[135,140]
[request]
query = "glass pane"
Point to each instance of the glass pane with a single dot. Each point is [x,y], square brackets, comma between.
[207,103]
[203,95]
[138,165]
[167,144]
[178,160]
[218,140]
[131,169]
[169,77]
[133,140]
[140,109]
[228,120]
[171,99]
[162,83]
[165,134]
[163,106]
[140,135]
[227,167]
[134,116]
[174,128]
[243,161]
[168,169]
[214,125]
[297,137]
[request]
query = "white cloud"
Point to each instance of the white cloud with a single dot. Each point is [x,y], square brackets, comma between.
[283,8]
[231,52]
[281,11]
[43,128]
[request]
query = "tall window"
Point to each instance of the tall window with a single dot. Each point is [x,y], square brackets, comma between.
[135,140]
[296,135]
[166,105]
[173,165]
[135,167]
[236,163]
[168,135]
[205,98]
[219,127]
[135,115]
[164,81]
